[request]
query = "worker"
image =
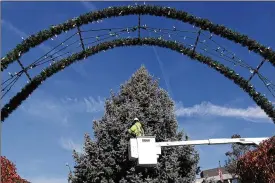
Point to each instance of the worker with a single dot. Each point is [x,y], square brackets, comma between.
[137,128]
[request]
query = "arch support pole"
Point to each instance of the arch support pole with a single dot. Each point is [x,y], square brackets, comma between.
[139,26]
[24,70]
[196,43]
[80,37]
[255,71]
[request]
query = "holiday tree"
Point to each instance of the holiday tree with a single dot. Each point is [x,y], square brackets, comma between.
[105,158]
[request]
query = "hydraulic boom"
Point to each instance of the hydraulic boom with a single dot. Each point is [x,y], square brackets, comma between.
[146,150]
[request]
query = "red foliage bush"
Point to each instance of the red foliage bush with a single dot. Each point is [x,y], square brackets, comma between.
[8,172]
[258,166]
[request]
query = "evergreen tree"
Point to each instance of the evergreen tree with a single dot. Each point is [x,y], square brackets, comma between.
[105,158]
[238,150]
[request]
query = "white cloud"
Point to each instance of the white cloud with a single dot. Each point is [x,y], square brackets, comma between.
[69,145]
[89,6]
[48,179]
[48,108]
[251,113]
[93,105]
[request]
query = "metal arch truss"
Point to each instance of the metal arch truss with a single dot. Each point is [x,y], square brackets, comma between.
[198,40]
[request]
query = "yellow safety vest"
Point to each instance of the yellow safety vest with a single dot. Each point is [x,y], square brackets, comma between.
[137,129]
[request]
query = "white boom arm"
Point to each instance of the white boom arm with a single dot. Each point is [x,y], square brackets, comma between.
[147,150]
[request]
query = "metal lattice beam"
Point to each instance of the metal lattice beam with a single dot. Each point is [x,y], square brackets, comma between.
[24,70]
[80,37]
[196,43]
[255,71]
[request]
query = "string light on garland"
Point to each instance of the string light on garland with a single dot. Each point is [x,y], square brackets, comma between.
[211,35]
[205,24]
[219,68]
[230,74]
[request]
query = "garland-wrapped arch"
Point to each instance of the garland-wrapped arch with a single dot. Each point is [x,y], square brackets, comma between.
[167,12]
[222,69]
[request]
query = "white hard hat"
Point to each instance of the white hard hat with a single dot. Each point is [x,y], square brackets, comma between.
[136,119]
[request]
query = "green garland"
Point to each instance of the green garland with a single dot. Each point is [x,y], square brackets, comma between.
[167,12]
[48,72]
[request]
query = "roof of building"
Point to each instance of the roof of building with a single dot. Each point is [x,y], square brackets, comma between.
[212,172]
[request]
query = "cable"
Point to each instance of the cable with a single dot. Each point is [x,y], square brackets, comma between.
[232,61]
[233,54]
[55,47]
[13,82]
[52,59]
[45,57]
[96,30]
[154,31]
[225,54]
[173,30]
[262,79]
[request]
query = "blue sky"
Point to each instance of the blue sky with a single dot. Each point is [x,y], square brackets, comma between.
[40,135]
